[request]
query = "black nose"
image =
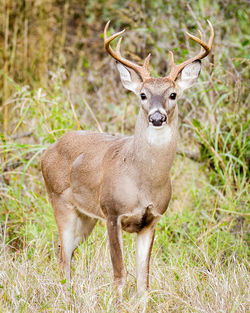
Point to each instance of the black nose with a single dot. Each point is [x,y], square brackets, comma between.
[157,118]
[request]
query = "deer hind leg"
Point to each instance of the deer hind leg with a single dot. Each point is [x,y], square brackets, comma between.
[73,227]
[77,230]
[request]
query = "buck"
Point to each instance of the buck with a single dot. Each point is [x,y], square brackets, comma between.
[124,181]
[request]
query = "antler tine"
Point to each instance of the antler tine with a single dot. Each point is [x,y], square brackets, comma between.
[118,47]
[211,39]
[205,50]
[142,71]
[146,61]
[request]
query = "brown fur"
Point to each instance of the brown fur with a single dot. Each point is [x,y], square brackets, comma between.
[123,180]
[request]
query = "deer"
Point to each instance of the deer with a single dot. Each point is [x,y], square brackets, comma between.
[122,180]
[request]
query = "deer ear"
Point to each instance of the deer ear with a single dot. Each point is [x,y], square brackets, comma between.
[130,79]
[189,75]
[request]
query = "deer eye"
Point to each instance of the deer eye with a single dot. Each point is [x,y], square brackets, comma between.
[143,96]
[172,95]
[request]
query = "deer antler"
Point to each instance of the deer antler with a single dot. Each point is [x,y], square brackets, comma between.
[142,71]
[205,50]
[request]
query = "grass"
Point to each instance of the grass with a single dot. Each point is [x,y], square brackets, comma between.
[198,264]
[55,78]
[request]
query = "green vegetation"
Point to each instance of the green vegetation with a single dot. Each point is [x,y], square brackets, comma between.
[55,77]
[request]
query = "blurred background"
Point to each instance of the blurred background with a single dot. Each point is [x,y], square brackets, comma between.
[55,76]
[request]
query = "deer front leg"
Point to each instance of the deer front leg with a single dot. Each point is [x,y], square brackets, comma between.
[115,242]
[144,243]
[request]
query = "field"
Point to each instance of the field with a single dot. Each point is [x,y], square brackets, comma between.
[55,77]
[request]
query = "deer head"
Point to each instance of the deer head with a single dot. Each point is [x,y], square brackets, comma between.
[158,96]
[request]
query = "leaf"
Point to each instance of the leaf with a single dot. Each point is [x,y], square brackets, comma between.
[196,123]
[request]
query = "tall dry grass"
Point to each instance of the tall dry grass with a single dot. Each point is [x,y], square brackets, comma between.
[55,77]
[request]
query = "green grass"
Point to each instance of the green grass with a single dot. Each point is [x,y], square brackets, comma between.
[199,262]
[57,77]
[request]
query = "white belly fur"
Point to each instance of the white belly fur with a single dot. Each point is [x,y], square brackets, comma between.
[159,135]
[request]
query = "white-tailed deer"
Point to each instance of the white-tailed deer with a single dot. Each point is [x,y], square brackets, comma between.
[122,180]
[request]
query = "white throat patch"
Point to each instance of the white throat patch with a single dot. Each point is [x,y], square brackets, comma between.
[159,135]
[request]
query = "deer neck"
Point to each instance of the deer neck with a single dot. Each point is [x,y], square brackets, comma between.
[154,149]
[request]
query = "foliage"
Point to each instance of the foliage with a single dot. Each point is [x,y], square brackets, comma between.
[56,77]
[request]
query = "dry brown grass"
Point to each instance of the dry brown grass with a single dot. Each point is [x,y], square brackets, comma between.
[57,77]
[34,284]
[30,279]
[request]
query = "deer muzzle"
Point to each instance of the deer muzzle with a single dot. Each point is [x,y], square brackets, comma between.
[157,118]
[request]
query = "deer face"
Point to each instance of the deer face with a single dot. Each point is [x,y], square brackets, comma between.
[158,96]
[158,99]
